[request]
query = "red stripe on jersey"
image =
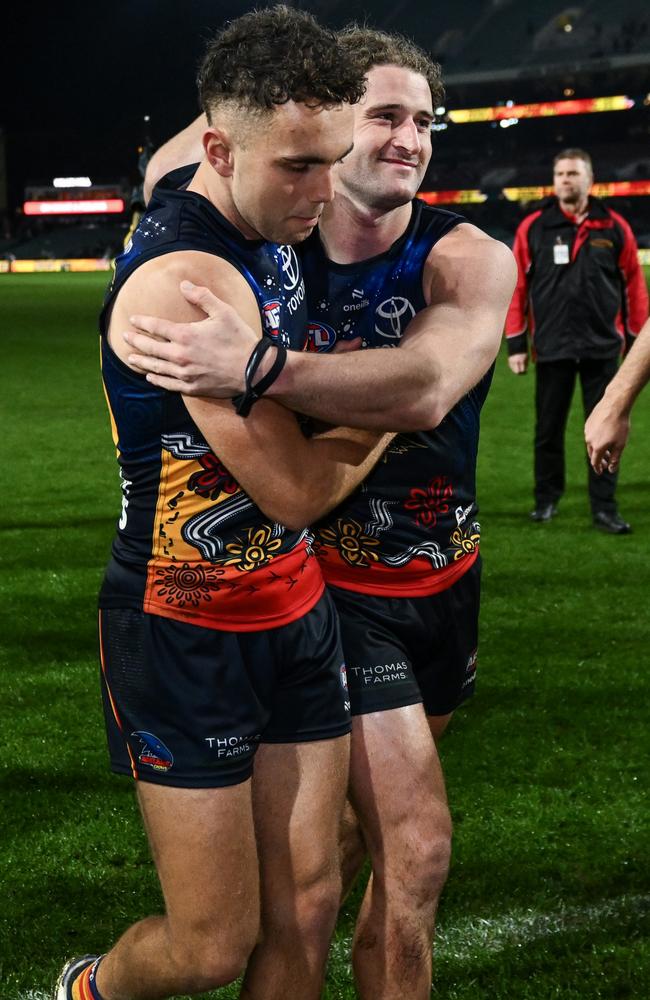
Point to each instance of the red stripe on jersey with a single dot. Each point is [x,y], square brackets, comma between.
[416,579]
[223,597]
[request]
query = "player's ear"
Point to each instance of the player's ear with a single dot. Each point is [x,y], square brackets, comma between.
[218,150]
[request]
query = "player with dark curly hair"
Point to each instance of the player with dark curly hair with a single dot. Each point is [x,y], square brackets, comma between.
[401,554]
[220,648]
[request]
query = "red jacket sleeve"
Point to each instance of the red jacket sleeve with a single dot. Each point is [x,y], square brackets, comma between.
[517,325]
[635,289]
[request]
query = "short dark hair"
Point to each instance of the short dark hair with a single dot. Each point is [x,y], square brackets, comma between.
[279,54]
[574,154]
[381,48]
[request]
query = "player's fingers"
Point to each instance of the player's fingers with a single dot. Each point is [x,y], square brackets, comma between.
[202,297]
[614,458]
[173,384]
[347,345]
[154,326]
[146,345]
[159,366]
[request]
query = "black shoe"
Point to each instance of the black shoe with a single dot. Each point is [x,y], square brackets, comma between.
[612,523]
[544,512]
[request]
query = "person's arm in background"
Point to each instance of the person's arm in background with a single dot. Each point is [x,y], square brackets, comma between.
[183,148]
[608,425]
[634,286]
[517,318]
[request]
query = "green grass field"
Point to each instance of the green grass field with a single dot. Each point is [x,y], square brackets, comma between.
[549,894]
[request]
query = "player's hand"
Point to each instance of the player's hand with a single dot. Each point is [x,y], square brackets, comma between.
[518,363]
[345,346]
[606,434]
[204,358]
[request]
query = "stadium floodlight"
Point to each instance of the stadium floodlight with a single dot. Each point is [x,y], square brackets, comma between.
[72,182]
[441,110]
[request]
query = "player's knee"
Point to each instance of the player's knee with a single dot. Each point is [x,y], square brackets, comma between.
[317,906]
[424,855]
[431,854]
[206,959]
[311,906]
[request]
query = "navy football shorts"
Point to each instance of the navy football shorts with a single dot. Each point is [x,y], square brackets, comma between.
[188,706]
[406,650]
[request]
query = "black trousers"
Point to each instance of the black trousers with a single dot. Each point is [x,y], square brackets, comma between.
[555,382]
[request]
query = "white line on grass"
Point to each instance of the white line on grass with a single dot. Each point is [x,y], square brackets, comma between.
[466,939]
[463,940]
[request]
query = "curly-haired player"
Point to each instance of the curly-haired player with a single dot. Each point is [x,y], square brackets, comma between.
[401,555]
[220,648]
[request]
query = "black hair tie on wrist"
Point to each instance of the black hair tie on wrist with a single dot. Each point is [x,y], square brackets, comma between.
[244,401]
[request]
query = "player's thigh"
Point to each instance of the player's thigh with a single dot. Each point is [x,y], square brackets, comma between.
[298,796]
[438,724]
[397,786]
[378,639]
[182,704]
[203,844]
[446,656]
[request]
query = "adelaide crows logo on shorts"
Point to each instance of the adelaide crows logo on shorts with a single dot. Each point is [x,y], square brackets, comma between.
[320,337]
[271,317]
[154,753]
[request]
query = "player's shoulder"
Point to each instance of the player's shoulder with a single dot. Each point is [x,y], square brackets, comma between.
[155,285]
[468,262]
[466,239]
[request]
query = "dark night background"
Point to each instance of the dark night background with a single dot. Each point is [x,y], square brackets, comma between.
[78,79]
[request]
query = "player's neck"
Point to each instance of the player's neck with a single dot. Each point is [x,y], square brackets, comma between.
[351,232]
[215,188]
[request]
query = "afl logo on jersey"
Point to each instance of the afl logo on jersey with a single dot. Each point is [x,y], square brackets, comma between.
[290,267]
[392,317]
[320,337]
[271,317]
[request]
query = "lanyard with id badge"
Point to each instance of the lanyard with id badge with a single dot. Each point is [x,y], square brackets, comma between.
[560,252]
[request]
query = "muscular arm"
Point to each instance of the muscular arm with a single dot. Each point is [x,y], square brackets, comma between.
[293,479]
[448,347]
[608,426]
[185,147]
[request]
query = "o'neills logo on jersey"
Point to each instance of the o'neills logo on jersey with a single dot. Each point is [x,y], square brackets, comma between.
[271,317]
[392,316]
[320,337]
[360,303]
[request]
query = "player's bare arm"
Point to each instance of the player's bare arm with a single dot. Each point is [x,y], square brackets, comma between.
[608,426]
[183,148]
[294,480]
[448,346]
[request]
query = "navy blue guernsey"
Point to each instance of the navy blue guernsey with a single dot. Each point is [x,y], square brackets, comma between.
[190,543]
[411,527]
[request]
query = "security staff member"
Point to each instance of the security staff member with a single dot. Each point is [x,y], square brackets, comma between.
[580,297]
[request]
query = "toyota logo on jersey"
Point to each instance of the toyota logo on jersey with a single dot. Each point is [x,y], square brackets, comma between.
[271,318]
[392,317]
[290,267]
[320,337]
